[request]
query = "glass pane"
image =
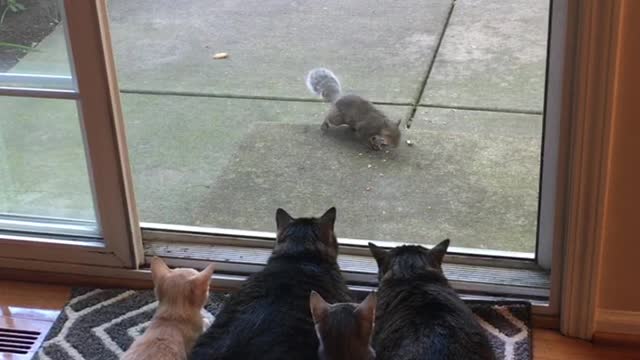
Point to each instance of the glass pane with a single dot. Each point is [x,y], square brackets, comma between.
[43,168]
[222,129]
[33,45]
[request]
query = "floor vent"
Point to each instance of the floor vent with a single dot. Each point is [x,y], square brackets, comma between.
[17,341]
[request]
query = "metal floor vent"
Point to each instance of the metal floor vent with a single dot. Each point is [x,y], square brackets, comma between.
[17,341]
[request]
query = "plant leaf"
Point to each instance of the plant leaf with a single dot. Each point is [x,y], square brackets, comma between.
[18,46]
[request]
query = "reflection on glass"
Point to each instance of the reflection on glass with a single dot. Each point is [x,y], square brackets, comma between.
[43,168]
[33,45]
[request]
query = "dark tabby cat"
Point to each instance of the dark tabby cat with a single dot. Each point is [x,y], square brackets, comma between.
[268,318]
[344,329]
[419,316]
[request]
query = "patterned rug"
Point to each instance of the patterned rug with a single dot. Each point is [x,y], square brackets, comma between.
[100,324]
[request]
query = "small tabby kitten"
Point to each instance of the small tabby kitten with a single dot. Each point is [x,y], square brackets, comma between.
[344,329]
[268,318]
[419,316]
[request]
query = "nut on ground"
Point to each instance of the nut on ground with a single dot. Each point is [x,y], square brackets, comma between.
[409,142]
[220,56]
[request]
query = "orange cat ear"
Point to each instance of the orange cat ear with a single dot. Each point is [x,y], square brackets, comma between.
[158,269]
[208,270]
[204,277]
[200,283]
[319,307]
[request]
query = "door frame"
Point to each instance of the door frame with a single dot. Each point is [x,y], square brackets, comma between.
[97,96]
[579,83]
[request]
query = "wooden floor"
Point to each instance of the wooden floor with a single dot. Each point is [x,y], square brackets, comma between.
[39,304]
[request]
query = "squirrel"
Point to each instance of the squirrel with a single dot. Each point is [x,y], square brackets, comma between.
[359,114]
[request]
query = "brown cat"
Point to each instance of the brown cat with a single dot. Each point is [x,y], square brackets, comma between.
[177,323]
[359,114]
[344,329]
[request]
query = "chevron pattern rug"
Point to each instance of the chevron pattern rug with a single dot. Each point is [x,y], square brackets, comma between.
[100,324]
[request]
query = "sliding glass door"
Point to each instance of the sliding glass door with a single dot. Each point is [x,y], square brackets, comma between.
[222,131]
[64,193]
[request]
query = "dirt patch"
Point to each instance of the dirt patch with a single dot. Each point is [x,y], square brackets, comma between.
[26,28]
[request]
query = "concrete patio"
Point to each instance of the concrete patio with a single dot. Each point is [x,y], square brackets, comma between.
[225,142]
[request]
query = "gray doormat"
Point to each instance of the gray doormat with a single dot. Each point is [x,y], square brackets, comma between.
[100,324]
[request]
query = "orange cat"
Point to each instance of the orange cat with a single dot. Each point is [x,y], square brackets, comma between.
[177,323]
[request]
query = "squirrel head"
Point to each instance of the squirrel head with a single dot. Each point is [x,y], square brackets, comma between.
[388,137]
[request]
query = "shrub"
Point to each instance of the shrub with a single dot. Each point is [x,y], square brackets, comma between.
[14,5]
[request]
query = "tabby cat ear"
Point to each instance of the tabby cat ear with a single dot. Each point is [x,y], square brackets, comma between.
[437,252]
[327,231]
[282,219]
[329,217]
[379,254]
[319,307]
[158,269]
[367,308]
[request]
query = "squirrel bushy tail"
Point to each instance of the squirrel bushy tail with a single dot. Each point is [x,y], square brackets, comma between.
[324,83]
